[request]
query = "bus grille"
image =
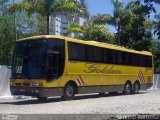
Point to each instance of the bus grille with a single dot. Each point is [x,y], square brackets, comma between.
[22,84]
[18,84]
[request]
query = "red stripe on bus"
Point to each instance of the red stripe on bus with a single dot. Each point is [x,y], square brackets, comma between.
[79,82]
[82,80]
[141,77]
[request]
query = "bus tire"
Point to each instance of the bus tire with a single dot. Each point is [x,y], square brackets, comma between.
[127,88]
[42,98]
[102,93]
[136,87]
[69,92]
[113,93]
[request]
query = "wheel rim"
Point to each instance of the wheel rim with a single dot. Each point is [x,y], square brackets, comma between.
[136,88]
[69,91]
[128,89]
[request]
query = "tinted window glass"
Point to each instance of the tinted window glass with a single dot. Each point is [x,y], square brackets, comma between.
[125,58]
[142,60]
[108,56]
[28,59]
[120,57]
[90,53]
[98,54]
[148,61]
[76,51]
[57,46]
[94,54]
[135,60]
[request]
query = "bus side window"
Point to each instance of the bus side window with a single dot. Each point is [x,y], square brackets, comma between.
[120,61]
[135,60]
[108,56]
[90,54]
[148,61]
[142,61]
[125,59]
[76,51]
[98,54]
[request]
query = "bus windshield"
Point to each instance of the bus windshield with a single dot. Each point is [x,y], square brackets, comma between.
[30,59]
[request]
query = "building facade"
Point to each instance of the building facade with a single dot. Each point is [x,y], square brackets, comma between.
[59,23]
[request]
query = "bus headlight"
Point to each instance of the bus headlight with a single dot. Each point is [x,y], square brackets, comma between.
[11,84]
[36,84]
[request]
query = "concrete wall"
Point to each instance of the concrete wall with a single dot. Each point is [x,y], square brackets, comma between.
[5,74]
[156,81]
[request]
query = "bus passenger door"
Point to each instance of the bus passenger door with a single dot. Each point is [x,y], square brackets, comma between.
[52,65]
[55,58]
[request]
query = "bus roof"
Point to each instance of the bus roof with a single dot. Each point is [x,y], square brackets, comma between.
[88,42]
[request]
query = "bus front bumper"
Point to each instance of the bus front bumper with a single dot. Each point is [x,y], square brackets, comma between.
[36,91]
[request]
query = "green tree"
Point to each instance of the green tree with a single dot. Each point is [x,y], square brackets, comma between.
[3,2]
[120,18]
[150,1]
[25,26]
[156,22]
[90,31]
[139,35]
[6,37]
[47,7]
[29,26]
[157,1]
[117,15]
[156,51]
[157,25]
[132,23]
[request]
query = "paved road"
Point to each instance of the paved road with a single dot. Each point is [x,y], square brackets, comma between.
[146,102]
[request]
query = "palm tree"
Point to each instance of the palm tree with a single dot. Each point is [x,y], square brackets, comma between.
[157,1]
[120,15]
[91,31]
[157,26]
[47,7]
[117,16]
[3,1]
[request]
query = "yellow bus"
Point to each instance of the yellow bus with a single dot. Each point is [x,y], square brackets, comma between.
[49,65]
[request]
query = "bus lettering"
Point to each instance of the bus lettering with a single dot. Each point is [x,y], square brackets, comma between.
[97,68]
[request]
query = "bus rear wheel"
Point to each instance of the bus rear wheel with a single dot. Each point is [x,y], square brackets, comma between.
[127,88]
[102,94]
[69,92]
[136,87]
[113,93]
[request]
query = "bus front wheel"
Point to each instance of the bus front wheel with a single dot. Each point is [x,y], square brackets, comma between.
[69,92]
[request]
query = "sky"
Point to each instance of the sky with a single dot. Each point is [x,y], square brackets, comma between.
[105,6]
